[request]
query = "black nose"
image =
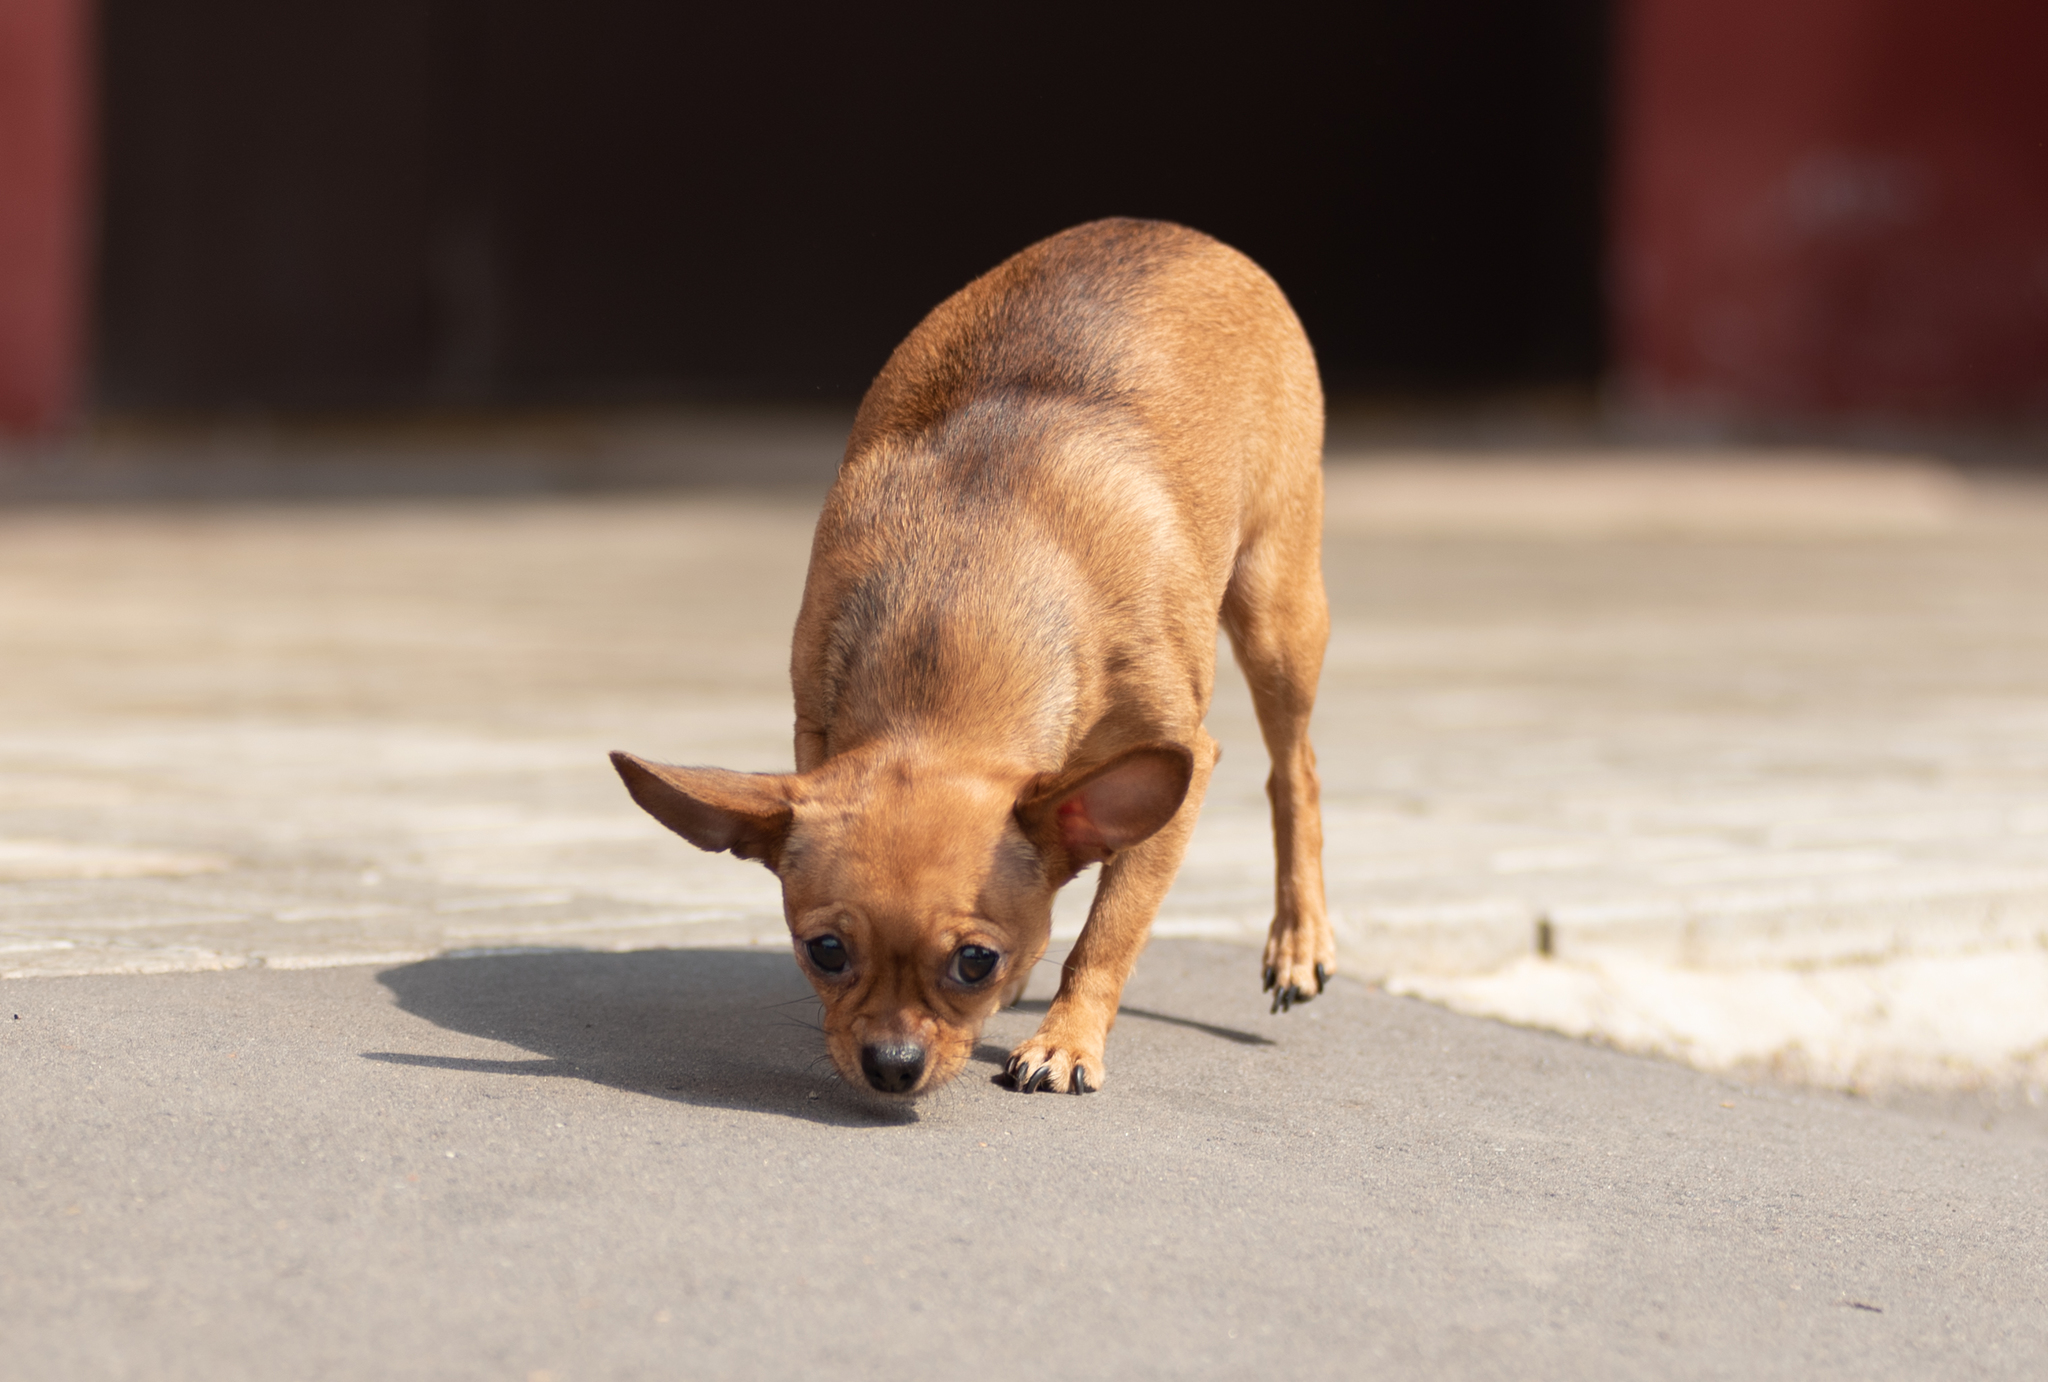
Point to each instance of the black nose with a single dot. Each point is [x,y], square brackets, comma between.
[894,1067]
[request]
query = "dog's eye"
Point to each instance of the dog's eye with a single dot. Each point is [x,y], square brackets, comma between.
[973,963]
[827,953]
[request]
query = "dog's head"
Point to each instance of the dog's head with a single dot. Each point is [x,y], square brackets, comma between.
[918,894]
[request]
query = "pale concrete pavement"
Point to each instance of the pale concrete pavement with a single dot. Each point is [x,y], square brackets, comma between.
[1765,741]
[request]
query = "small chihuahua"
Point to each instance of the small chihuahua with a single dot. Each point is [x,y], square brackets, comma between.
[1057,486]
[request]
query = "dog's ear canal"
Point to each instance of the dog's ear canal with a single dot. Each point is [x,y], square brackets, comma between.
[747,814]
[1092,813]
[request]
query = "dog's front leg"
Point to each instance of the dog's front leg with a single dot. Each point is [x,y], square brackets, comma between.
[1065,1054]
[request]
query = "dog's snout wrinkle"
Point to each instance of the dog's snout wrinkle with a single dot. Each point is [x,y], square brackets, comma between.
[893,1067]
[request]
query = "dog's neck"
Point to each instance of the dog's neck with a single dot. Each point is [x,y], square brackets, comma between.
[955,611]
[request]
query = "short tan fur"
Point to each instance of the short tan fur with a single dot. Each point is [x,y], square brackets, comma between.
[1058,485]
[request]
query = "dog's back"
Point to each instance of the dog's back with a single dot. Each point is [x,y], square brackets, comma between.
[1045,496]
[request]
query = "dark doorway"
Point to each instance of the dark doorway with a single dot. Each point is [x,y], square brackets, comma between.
[492,202]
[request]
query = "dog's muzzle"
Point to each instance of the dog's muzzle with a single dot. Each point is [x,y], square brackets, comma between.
[893,1067]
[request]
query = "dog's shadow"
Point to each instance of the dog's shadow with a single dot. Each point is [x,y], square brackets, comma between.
[723,1028]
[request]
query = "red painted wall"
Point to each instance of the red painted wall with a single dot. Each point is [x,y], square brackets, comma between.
[1832,206]
[45,234]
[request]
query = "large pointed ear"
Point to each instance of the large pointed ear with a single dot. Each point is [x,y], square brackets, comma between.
[745,813]
[1093,813]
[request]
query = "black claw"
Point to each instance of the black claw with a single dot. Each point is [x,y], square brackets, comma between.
[1272,978]
[1038,1080]
[1078,1084]
[1322,977]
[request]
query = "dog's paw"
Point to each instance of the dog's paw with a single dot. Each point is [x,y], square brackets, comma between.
[1300,958]
[1042,1065]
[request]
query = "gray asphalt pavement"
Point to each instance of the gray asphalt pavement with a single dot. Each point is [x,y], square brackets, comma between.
[567,1165]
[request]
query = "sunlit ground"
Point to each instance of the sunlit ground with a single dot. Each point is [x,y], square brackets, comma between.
[1760,743]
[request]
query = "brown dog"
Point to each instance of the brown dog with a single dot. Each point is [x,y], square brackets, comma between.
[1058,484]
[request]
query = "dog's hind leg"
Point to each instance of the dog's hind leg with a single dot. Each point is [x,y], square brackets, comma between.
[1065,1053]
[1278,619]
